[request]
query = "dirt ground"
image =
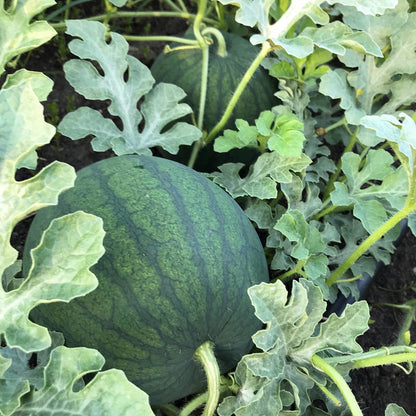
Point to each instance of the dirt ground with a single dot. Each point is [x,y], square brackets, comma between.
[396,284]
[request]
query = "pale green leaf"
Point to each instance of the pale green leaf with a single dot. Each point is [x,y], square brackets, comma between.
[368,7]
[161,105]
[395,410]
[22,130]
[118,3]
[336,37]
[40,83]
[59,271]
[109,393]
[380,27]
[294,227]
[11,391]
[261,181]
[401,132]
[18,32]
[374,78]
[245,135]
[281,375]
[252,13]
[22,369]
[299,47]
[335,85]
[369,199]
[282,69]
[282,133]
[338,333]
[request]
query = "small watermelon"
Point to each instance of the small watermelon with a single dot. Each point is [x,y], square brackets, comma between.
[183,68]
[180,256]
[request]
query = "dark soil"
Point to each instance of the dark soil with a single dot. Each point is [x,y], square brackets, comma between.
[395,284]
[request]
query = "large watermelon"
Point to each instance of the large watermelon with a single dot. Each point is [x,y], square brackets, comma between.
[180,256]
[183,68]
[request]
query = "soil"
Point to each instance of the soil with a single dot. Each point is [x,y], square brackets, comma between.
[394,284]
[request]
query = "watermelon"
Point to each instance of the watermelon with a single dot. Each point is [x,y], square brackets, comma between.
[183,68]
[180,256]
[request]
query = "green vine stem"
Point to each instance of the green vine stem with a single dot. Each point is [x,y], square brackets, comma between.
[130,15]
[199,400]
[205,355]
[334,176]
[222,47]
[397,354]
[266,48]
[176,39]
[368,242]
[337,378]
[385,359]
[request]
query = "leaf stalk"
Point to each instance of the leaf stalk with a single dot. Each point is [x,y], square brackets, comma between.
[337,378]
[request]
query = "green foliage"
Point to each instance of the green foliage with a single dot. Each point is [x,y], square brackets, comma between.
[160,107]
[334,178]
[281,376]
[18,34]
[60,263]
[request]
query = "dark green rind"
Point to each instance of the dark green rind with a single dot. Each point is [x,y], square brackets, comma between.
[183,68]
[180,256]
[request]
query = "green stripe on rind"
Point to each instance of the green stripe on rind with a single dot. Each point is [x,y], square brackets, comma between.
[150,313]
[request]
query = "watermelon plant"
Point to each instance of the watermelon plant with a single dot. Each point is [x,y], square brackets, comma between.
[184,278]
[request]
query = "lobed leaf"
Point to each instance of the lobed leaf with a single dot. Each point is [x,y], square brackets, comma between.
[369,199]
[15,382]
[282,133]
[402,132]
[281,377]
[336,37]
[11,391]
[123,80]
[108,394]
[261,181]
[18,34]
[368,7]
[59,271]
[22,130]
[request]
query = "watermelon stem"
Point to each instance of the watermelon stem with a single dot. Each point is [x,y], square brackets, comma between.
[266,48]
[205,355]
[222,47]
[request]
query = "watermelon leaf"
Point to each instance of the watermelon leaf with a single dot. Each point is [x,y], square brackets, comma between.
[372,202]
[261,182]
[159,109]
[19,34]
[19,368]
[22,130]
[395,410]
[58,272]
[282,133]
[282,376]
[11,391]
[109,392]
